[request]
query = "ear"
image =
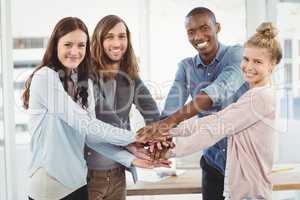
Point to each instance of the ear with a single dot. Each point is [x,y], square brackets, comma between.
[218,27]
[272,66]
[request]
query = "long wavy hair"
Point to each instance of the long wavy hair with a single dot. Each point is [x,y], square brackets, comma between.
[100,60]
[50,59]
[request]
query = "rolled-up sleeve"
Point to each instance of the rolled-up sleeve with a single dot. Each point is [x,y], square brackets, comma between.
[229,80]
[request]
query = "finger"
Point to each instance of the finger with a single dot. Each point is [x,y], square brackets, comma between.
[144,156]
[152,147]
[166,133]
[159,146]
[162,165]
[165,161]
[157,155]
[166,144]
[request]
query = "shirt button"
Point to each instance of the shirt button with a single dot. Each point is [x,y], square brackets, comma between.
[89,153]
[224,150]
[208,74]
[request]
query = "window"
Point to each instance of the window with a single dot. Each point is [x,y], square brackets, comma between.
[288,78]
[288,14]
[287,52]
[29,43]
[299,48]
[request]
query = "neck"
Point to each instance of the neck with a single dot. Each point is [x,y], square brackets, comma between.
[114,66]
[262,83]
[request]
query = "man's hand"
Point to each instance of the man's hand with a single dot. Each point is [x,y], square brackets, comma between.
[159,149]
[157,131]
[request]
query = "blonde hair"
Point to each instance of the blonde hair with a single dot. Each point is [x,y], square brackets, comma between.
[265,37]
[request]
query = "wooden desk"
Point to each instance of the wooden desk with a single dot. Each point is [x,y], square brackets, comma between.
[190,183]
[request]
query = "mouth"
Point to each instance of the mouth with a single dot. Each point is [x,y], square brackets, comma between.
[73,59]
[115,51]
[250,74]
[201,45]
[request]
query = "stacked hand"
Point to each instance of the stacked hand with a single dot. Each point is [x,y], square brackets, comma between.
[153,144]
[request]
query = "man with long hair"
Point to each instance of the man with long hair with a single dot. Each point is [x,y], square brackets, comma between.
[117,86]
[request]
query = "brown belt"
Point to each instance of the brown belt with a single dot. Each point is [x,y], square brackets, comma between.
[106,172]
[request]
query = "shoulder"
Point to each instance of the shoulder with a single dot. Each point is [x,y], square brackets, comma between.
[262,98]
[237,48]
[266,94]
[187,62]
[234,51]
[45,73]
[46,70]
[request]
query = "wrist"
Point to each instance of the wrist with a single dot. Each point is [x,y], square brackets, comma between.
[172,120]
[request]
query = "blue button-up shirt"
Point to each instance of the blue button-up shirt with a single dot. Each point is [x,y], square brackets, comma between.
[221,80]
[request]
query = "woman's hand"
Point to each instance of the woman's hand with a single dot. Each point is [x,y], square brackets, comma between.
[139,151]
[151,164]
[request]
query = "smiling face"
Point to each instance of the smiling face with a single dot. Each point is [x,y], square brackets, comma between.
[71,49]
[202,34]
[115,43]
[257,66]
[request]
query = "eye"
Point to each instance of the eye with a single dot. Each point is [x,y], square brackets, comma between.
[68,44]
[82,45]
[204,28]
[257,62]
[109,37]
[123,36]
[190,33]
[245,59]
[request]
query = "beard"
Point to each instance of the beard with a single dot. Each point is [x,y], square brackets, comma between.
[109,61]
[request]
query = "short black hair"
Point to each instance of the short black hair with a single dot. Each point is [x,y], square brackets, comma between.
[201,11]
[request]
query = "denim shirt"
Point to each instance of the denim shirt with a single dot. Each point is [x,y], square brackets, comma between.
[60,128]
[221,80]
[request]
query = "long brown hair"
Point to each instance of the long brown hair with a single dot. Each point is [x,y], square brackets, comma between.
[100,59]
[50,59]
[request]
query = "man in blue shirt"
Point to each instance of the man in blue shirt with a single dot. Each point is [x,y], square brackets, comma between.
[214,80]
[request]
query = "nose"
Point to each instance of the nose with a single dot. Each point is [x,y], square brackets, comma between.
[199,36]
[248,66]
[74,50]
[116,42]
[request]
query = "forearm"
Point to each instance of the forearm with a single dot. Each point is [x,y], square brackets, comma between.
[116,153]
[202,102]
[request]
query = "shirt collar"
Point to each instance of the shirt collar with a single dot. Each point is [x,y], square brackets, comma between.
[199,62]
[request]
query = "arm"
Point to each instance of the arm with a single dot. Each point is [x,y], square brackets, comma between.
[107,114]
[208,130]
[115,153]
[48,88]
[145,103]
[223,87]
